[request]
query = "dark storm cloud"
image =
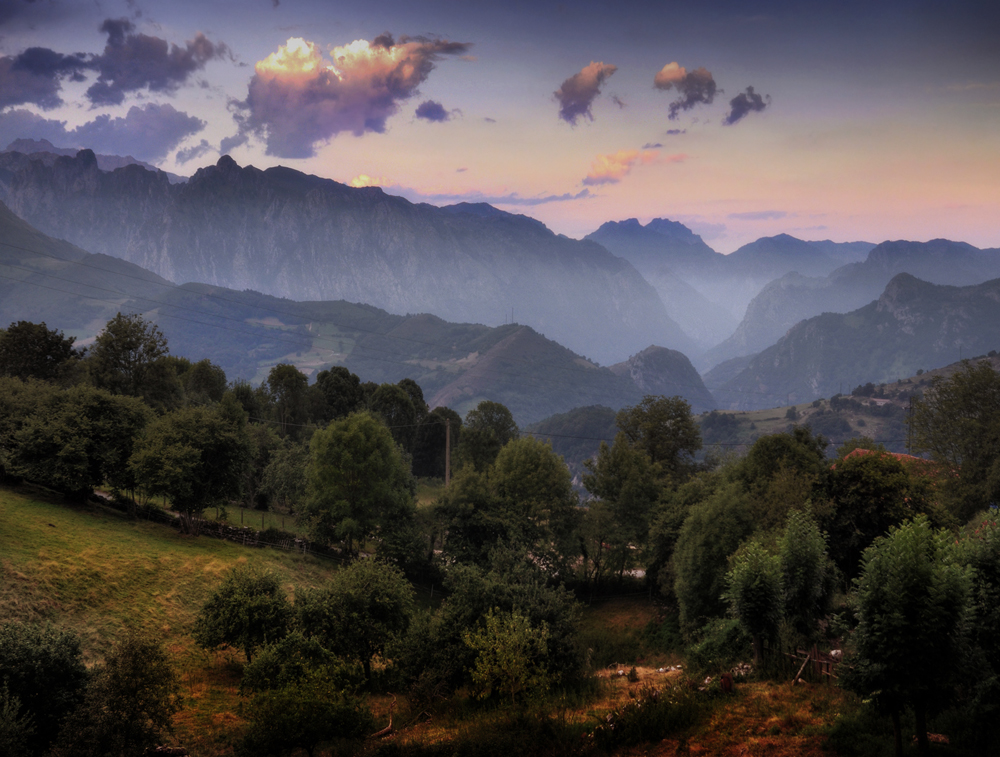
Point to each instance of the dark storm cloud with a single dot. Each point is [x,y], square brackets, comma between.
[35,76]
[298,98]
[432,111]
[578,92]
[146,133]
[744,104]
[132,61]
[695,87]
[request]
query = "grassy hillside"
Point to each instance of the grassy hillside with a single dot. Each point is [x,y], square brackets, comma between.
[92,570]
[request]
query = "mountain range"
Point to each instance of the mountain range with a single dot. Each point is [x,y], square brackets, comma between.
[247,332]
[912,325]
[289,234]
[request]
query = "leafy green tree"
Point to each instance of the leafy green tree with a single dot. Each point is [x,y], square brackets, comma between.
[129,702]
[284,478]
[364,608]
[416,395]
[434,653]
[487,429]
[204,382]
[304,715]
[247,611]
[79,438]
[807,573]
[291,659]
[870,493]
[32,350]
[510,656]
[394,406]
[535,490]
[357,481]
[429,448]
[754,594]
[713,530]
[264,444]
[664,429]
[124,353]
[195,456]
[288,386]
[19,400]
[627,487]
[913,600]
[958,422]
[473,518]
[341,392]
[255,401]
[42,668]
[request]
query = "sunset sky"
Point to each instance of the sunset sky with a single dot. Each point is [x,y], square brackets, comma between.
[840,120]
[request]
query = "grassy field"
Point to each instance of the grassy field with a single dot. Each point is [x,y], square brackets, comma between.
[92,570]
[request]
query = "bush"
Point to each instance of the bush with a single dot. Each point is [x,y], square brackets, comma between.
[723,643]
[654,714]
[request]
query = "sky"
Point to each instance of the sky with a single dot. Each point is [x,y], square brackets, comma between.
[842,120]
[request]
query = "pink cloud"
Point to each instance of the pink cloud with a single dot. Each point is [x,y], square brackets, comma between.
[611,169]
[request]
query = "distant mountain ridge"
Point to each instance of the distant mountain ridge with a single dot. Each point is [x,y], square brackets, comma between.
[706,292]
[294,235]
[457,364]
[793,298]
[913,324]
[659,371]
[35,147]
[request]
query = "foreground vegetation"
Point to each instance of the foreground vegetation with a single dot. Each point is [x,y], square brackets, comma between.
[741,560]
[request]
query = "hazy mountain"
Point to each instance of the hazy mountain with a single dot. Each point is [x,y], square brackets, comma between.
[293,235]
[657,370]
[912,325]
[667,252]
[41,149]
[457,364]
[793,298]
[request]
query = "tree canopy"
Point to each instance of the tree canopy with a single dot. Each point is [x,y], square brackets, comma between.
[124,353]
[32,350]
[664,429]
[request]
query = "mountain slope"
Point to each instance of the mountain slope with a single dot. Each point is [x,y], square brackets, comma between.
[912,325]
[657,370]
[293,235]
[793,298]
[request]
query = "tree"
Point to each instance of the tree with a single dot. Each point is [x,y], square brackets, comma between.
[357,481]
[16,729]
[429,447]
[392,403]
[627,487]
[32,350]
[129,702]
[124,353]
[42,668]
[958,422]
[754,594]
[807,573]
[287,386]
[664,429]
[535,490]
[303,716]
[204,382]
[247,611]
[284,479]
[510,656]
[341,392]
[195,456]
[487,429]
[713,530]
[79,438]
[365,607]
[913,601]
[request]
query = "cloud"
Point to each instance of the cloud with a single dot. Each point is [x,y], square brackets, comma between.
[759,215]
[652,146]
[577,93]
[432,111]
[35,76]
[297,98]
[695,88]
[611,169]
[745,103]
[190,153]
[511,198]
[147,133]
[132,61]
[675,132]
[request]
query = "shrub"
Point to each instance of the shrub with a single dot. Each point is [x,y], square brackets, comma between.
[652,715]
[722,644]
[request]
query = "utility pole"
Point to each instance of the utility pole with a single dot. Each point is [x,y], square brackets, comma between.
[909,428]
[447,452]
